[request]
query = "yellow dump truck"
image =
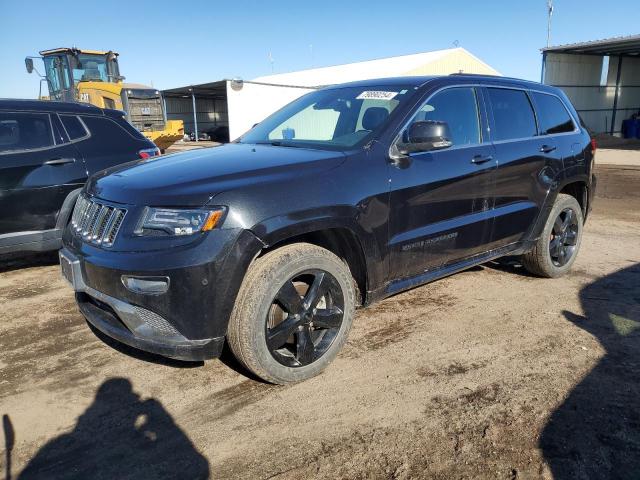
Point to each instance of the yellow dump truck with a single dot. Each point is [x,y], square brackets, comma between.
[94,77]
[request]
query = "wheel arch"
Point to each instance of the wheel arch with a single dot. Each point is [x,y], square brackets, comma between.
[336,237]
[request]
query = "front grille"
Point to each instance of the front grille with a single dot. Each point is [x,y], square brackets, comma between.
[95,222]
[146,114]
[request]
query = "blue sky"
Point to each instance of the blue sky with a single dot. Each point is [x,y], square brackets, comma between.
[199,41]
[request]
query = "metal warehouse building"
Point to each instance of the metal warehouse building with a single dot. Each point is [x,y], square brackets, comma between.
[239,104]
[601,77]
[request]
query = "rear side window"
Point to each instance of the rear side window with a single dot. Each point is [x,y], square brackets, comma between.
[133,131]
[552,114]
[24,131]
[512,114]
[110,128]
[74,127]
[459,109]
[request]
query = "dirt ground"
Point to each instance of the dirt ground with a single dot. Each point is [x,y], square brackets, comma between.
[490,373]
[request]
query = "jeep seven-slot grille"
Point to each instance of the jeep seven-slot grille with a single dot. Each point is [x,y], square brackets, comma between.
[95,222]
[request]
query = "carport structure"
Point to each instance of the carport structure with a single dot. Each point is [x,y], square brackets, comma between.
[601,77]
[200,107]
[235,104]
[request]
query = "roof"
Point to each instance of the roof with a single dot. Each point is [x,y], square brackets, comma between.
[381,68]
[211,89]
[49,106]
[73,49]
[629,45]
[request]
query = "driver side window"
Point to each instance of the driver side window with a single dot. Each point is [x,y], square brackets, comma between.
[458,108]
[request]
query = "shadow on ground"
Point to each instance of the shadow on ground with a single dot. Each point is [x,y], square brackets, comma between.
[119,436]
[595,433]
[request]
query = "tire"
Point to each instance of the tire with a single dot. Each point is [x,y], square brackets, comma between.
[292,295]
[545,258]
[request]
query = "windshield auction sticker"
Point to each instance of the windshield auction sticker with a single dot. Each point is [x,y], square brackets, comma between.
[376,95]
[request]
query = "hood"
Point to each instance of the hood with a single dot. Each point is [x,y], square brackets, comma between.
[192,178]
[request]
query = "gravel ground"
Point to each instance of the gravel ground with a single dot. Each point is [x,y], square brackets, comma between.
[490,373]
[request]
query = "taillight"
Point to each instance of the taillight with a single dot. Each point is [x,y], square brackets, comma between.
[149,152]
[594,145]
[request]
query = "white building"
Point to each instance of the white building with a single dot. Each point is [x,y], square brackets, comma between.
[241,104]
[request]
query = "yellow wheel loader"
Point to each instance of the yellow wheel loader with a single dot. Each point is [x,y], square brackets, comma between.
[91,76]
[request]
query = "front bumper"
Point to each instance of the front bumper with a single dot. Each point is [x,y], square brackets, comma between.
[131,324]
[188,321]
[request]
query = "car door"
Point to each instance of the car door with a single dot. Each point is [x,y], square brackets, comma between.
[441,202]
[525,164]
[38,169]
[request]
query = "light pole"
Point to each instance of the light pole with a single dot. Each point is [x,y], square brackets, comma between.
[549,13]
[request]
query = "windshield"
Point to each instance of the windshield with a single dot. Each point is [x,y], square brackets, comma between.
[90,67]
[334,118]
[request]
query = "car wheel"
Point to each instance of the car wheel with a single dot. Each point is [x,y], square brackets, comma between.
[558,245]
[293,313]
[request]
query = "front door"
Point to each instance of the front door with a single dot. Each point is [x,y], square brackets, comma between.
[441,203]
[38,169]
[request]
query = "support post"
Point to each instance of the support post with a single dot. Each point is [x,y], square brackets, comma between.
[544,66]
[195,119]
[615,98]
[164,109]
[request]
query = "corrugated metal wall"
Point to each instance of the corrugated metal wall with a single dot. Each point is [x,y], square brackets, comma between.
[579,76]
[209,112]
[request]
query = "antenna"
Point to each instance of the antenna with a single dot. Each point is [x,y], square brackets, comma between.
[271,61]
[549,13]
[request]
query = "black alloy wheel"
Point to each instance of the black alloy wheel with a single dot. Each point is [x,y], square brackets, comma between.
[564,236]
[305,318]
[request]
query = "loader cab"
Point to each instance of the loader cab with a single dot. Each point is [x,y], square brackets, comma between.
[65,68]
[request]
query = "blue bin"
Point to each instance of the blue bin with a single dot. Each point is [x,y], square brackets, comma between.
[637,127]
[630,128]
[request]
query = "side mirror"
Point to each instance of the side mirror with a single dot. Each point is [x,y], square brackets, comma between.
[426,135]
[28,62]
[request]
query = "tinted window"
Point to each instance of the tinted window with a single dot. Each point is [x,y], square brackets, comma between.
[512,114]
[552,115]
[107,128]
[459,109]
[74,127]
[20,131]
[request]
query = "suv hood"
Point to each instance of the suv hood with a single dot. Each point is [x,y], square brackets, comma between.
[193,178]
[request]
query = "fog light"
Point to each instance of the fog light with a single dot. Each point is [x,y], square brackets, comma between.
[146,285]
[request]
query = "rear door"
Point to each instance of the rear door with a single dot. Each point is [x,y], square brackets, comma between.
[522,177]
[558,128]
[38,169]
[441,203]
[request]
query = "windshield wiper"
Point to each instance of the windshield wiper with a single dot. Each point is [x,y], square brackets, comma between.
[278,143]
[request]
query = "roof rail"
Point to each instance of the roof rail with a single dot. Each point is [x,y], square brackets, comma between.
[492,76]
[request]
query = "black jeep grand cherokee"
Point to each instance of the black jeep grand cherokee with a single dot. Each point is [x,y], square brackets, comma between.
[347,195]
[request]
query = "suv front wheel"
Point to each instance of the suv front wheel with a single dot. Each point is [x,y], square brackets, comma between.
[556,249]
[293,313]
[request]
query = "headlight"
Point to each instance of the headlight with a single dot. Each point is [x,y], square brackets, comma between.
[168,221]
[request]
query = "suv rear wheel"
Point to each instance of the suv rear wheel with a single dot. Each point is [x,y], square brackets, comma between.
[293,313]
[556,249]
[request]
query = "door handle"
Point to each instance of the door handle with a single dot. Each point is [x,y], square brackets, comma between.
[59,161]
[480,159]
[547,148]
